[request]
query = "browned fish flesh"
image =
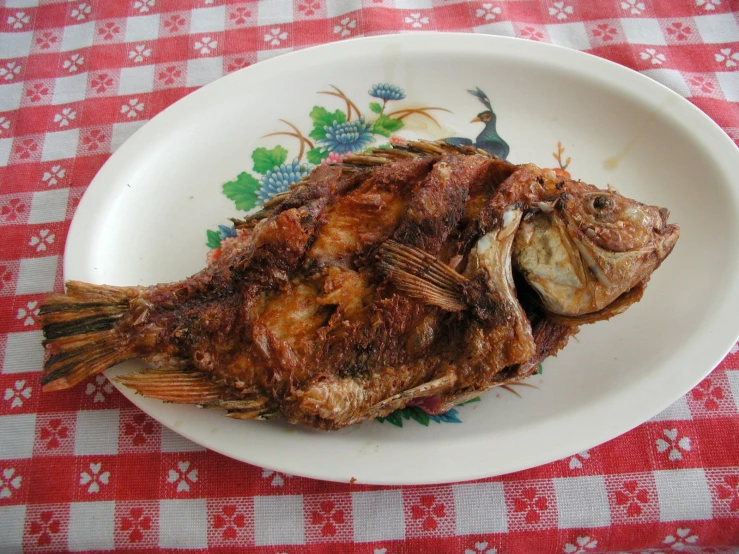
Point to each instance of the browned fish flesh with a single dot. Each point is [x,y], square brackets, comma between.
[421,274]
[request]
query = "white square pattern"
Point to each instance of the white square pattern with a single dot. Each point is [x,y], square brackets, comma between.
[643,31]
[172,442]
[91,526]
[49,206]
[582,502]
[201,71]
[136,79]
[480,509]
[267,54]
[501,28]
[671,78]
[16,436]
[571,35]
[10,95]
[335,8]
[70,89]
[11,531]
[122,131]
[733,377]
[717,28]
[21,3]
[729,84]
[674,412]
[142,27]
[37,275]
[5,146]
[272,12]
[683,494]
[23,352]
[378,515]
[78,36]
[278,520]
[209,20]
[15,45]
[414,4]
[183,524]
[96,432]
[60,145]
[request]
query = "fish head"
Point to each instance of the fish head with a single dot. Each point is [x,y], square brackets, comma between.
[587,247]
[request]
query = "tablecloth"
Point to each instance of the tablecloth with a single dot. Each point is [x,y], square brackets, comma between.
[85,470]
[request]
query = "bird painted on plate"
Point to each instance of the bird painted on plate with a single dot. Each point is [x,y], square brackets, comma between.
[488,140]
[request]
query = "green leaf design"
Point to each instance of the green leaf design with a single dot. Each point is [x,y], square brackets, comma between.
[375,107]
[322,117]
[386,126]
[316,155]
[394,419]
[243,191]
[540,369]
[214,239]
[264,159]
[419,415]
[470,401]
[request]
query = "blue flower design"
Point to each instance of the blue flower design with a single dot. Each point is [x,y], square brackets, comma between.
[277,179]
[448,417]
[226,232]
[386,92]
[350,136]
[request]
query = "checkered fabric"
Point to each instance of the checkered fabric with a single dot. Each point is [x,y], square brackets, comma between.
[85,470]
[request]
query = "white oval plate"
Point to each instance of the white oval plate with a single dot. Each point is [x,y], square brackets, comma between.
[144,216]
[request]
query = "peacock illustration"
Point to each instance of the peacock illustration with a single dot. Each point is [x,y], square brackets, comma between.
[489,139]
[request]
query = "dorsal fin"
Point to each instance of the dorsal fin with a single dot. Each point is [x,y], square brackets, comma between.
[409,149]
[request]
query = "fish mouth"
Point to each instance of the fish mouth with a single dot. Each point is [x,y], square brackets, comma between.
[669,237]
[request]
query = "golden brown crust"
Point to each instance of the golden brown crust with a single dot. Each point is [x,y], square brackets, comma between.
[343,299]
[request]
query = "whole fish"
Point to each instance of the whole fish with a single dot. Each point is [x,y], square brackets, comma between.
[418,275]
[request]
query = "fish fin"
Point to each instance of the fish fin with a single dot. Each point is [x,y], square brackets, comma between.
[380,156]
[246,404]
[439,147]
[176,385]
[459,141]
[409,149]
[383,156]
[245,414]
[80,333]
[423,276]
[255,407]
[400,400]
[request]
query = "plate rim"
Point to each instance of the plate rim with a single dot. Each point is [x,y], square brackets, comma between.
[179,108]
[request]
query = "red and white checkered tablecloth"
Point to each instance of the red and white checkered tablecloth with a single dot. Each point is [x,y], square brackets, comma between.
[85,470]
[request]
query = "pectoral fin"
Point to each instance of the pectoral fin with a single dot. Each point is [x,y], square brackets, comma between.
[423,277]
[436,387]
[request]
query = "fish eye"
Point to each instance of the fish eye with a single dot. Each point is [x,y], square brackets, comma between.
[602,202]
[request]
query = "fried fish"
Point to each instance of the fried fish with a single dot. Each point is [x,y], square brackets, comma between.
[418,275]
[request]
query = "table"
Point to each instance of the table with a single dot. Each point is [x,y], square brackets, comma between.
[85,470]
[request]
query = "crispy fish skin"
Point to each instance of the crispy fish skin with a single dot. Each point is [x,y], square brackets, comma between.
[382,282]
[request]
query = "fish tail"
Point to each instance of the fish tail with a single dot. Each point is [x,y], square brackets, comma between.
[81,334]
